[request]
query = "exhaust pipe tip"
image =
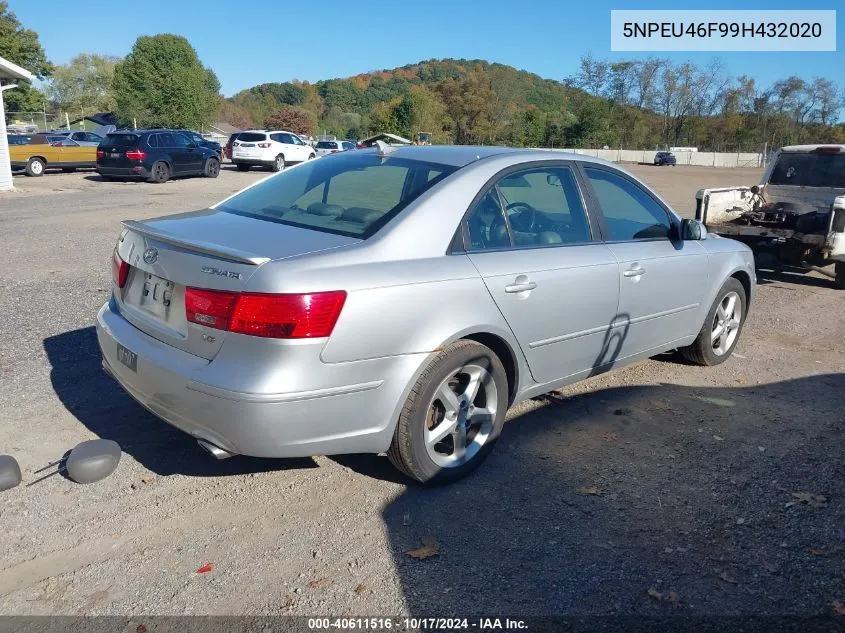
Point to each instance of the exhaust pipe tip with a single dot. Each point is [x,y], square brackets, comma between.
[214,450]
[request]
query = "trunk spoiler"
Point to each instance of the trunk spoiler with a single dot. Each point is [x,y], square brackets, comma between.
[203,247]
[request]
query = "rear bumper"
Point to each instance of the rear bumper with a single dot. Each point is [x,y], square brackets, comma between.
[356,415]
[255,162]
[137,171]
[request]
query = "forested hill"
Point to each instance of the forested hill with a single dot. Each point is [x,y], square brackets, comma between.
[637,103]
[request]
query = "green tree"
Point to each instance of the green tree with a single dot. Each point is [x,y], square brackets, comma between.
[234,115]
[163,83]
[85,83]
[21,46]
[292,118]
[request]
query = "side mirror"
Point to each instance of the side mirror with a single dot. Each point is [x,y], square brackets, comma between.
[693,230]
[192,145]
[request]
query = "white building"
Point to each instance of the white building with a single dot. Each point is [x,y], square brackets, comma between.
[9,73]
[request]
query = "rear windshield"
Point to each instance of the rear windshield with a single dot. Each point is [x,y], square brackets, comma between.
[121,140]
[809,170]
[354,194]
[327,145]
[251,137]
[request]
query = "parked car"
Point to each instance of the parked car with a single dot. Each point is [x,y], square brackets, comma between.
[796,212]
[154,155]
[401,299]
[80,137]
[324,148]
[47,151]
[227,148]
[272,149]
[665,158]
[201,141]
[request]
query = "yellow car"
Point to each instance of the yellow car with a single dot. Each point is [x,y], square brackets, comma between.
[45,152]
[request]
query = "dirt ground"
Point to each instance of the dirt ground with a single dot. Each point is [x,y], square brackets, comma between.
[661,489]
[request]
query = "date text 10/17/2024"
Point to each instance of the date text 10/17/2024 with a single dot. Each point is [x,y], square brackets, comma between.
[417,624]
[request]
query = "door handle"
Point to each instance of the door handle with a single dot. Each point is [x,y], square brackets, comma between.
[521,287]
[634,272]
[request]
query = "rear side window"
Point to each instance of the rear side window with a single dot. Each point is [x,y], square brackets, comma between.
[251,137]
[327,145]
[809,170]
[121,140]
[629,212]
[354,194]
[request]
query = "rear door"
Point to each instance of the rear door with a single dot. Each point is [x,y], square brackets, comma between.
[194,157]
[661,277]
[552,278]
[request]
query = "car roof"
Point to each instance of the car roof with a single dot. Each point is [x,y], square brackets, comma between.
[461,155]
[810,148]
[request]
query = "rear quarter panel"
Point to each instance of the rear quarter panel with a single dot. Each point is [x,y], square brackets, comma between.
[22,153]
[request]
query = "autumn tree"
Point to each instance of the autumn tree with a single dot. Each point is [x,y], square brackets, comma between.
[292,118]
[163,83]
[234,114]
[468,101]
[21,46]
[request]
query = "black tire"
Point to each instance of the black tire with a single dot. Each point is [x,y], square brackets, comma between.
[212,168]
[407,449]
[840,275]
[278,163]
[242,167]
[701,352]
[160,173]
[35,167]
[311,156]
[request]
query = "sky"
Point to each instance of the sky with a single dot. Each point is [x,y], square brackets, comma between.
[258,41]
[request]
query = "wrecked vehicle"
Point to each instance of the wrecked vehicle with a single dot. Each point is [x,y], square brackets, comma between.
[797,212]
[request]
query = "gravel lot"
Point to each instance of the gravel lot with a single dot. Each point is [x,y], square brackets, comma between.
[694,469]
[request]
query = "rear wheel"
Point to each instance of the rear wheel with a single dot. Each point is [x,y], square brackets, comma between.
[311,156]
[160,173]
[212,168]
[242,167]
[840,275]
[278,163]
[720,333]
[453,415]
[35,167]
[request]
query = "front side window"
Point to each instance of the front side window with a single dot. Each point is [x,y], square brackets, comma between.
[354,194]
[629,212]
[544,207]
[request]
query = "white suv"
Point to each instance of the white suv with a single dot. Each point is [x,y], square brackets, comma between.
[269,148]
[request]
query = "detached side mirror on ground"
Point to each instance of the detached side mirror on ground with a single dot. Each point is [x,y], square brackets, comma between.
[693,230]
[10,472]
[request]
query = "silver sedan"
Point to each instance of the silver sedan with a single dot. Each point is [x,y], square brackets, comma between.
[399,300]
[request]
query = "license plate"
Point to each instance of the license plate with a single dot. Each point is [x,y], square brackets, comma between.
[114,155]
[156,296]
[127,357]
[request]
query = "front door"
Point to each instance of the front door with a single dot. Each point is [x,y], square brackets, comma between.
[530,239]
[660,275]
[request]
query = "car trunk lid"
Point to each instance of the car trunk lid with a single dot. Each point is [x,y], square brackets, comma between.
[207,249]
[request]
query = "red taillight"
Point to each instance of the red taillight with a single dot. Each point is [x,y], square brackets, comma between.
[119,270]
[269,315]
[136,154]
[334,151]
[833,149]
[100,154]
[264,145]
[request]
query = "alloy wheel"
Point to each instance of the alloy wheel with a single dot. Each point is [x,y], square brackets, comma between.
[461,416]
[726,323]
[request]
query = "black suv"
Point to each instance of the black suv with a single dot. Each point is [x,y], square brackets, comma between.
[155,155]
[197,138]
